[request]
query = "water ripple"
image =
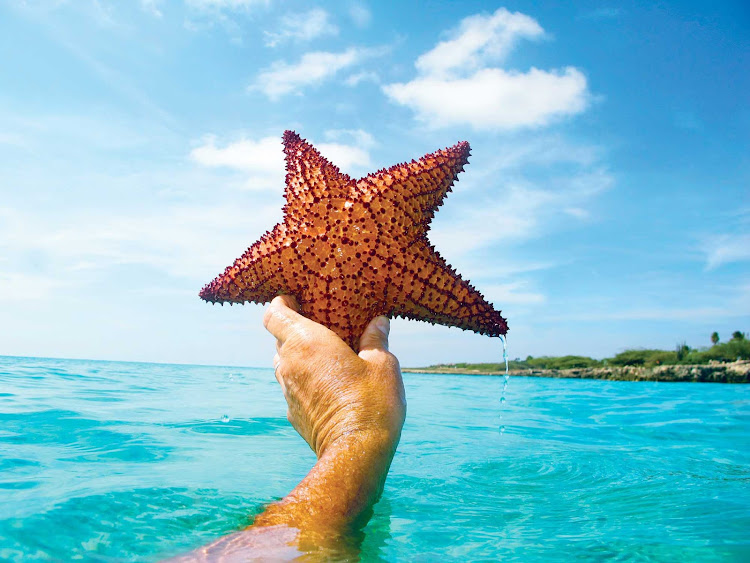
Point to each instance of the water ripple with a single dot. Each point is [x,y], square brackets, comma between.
[133,462]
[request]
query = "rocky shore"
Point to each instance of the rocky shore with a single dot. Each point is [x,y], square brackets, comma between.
[731,372]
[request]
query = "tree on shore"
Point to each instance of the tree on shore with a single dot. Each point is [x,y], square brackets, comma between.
[681,351]
[737,335]
[715,338]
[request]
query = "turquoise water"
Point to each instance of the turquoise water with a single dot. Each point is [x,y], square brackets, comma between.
[107,461]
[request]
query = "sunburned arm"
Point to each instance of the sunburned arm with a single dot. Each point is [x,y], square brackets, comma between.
[350,409]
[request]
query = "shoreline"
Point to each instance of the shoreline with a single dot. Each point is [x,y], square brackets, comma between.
[729,372]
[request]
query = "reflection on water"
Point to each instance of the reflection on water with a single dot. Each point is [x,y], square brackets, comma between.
[136,462]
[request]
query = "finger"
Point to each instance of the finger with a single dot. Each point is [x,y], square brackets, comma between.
[375,336]
[280,316]
[290,301]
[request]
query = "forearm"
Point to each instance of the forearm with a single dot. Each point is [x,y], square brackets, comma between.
[342,486]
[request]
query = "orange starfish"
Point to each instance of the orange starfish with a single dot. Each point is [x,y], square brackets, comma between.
[352,250]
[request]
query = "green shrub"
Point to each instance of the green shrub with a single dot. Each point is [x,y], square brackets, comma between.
[737,348]
[561,362]
[643,358]
[729,351]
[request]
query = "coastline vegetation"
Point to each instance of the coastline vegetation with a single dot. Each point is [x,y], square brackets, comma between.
[737,348]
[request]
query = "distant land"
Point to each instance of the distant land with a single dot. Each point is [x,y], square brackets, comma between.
[727,362]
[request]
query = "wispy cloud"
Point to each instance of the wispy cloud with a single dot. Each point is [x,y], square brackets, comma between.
[456,85]
[313,68]
[190,242]
[302,27]
[724,249]
[603,13]
[364,76]
[694,314]
[225,4]
[20,286]
[526,192]
[512,293]
[359,13]
[226,14]
[105,71]
[152,7]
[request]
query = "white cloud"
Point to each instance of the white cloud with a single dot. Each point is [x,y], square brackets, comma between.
[344,156]
[313,68]
[263,160]
[479,40]
[455,84]
[493,98]
[352,157]
[302,27]
[724,249]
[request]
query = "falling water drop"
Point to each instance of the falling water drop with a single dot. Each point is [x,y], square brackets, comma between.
[506,378]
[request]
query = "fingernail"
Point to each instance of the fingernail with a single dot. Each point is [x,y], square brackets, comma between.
[384,325]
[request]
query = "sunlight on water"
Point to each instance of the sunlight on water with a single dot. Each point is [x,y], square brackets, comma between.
[106,461]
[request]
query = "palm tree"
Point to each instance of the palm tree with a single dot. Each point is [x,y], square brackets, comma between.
[715,338]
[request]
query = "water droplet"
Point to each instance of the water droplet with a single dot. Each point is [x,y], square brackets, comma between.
[506,378]
[225,418]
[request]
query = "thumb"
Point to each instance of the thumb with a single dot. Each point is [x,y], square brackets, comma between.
[375,336]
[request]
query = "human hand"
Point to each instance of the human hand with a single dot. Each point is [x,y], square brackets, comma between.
[350,409]
[331,392]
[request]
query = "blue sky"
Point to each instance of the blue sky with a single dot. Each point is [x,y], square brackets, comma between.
[606,204]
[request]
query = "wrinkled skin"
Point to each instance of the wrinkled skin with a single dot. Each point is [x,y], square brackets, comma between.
[350,409]
[330,390]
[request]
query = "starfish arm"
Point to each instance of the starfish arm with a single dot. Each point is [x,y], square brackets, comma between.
[258,275]
[310,177]
[414,190]
[431,290]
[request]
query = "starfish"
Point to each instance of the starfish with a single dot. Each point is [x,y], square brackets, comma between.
[350,250]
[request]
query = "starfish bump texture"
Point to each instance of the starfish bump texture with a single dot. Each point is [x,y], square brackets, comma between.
[350,250]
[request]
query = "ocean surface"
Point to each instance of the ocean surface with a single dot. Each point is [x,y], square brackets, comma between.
[110,461]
